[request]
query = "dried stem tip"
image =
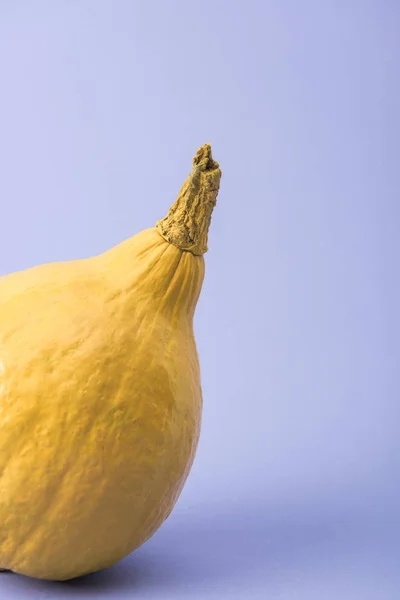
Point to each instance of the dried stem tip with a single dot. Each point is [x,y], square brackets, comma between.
[188,220]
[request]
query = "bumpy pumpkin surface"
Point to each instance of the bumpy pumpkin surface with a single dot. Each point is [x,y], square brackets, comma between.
[100,396]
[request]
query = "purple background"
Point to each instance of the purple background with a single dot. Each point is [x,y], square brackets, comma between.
[295,490]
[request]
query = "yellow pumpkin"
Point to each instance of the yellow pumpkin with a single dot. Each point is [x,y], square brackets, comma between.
[100,396]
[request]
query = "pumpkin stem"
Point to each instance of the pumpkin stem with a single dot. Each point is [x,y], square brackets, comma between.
[188,220]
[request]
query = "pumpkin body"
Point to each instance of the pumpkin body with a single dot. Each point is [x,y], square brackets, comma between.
[100,404]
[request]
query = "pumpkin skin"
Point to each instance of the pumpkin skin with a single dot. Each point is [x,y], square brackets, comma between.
[100,394]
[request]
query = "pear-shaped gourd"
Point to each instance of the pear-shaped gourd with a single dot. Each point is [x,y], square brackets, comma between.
[100,397]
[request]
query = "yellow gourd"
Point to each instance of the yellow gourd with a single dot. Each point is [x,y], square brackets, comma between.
[100,397]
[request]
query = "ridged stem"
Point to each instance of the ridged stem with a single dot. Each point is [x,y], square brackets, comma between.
[188,220]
